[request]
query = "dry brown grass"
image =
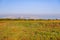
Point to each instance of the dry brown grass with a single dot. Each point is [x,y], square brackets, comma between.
[29,30]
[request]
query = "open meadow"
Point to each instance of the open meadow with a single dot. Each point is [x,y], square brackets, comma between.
[29,30]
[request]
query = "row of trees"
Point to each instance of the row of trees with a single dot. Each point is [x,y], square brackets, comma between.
[28,19]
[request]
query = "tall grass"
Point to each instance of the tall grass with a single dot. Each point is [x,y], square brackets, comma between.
[29,30]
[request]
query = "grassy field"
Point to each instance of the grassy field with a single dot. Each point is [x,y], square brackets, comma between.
[30,30]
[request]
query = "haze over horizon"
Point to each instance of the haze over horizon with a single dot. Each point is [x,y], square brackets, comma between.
[39,8]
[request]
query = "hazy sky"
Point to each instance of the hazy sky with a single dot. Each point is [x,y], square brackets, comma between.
[43,8]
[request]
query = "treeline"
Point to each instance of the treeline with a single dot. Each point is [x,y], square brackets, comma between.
[29,19]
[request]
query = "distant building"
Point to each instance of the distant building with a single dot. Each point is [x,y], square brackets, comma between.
[22,17]
[32,17]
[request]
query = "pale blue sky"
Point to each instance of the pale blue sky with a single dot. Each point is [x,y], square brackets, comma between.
[43,8]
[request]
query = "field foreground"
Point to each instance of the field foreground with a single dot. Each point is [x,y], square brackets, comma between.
[29,30]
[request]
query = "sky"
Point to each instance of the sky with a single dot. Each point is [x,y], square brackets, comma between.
[39,8]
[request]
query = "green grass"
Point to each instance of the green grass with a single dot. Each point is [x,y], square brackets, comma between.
[29,30]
